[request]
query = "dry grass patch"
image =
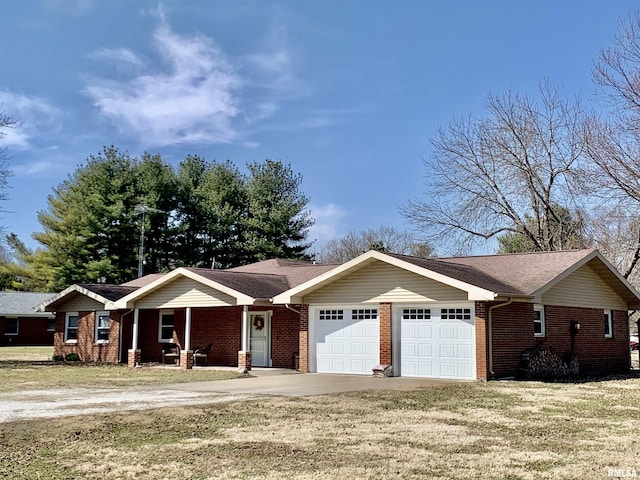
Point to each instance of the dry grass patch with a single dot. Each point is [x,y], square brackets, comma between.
[479,430]
[23,375]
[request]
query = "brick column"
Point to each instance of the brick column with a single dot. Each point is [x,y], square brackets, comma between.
[303,347]
[133,358]
[384,316]
[186,359]
[244,361]
[482,369]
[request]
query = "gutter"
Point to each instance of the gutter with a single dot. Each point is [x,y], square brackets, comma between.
[289,307]
[490,331]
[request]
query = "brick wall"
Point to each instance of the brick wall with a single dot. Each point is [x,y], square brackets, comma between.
[482,372]
[32,331]
[86,347]
[384,314]
[304,339]
[284,336]
[513,334]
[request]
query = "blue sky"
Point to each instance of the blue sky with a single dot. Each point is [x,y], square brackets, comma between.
[348,92]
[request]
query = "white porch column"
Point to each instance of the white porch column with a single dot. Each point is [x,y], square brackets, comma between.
[134,340]
[187,329]
[245,328]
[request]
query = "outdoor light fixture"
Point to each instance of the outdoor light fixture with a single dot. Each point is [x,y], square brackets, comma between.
[575,326]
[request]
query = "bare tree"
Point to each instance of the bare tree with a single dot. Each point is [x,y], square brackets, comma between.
[6,122]
[506,172]
[388,239]
[613,145]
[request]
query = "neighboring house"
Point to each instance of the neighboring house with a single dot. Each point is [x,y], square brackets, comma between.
[21,324]
[460,318]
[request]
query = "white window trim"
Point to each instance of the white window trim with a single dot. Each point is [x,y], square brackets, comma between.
[66,326]
[95,330]
[610,324]
[160,314]
[543,321]
[17,327]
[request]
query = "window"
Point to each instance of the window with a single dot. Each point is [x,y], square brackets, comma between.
[71,327]
[416,314]
[11,326]
[51,325]
[538,321]
[455,314]
[165,330]
[608,324]
[364,314]
[102,327]
[331,315]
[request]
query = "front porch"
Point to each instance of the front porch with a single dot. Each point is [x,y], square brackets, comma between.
[241,337]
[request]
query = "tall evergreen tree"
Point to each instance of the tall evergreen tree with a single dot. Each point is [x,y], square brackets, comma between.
[277,221]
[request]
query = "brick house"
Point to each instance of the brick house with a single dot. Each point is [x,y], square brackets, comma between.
[21,324]
[460,318]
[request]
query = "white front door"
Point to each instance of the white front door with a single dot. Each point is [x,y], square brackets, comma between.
[259,338]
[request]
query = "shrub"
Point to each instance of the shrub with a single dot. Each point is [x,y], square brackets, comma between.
[72,357]
[57,358]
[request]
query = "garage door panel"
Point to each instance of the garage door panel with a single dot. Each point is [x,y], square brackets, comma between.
[347,344]
[437,342]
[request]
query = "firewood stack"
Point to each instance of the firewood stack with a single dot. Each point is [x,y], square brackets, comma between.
[545,363]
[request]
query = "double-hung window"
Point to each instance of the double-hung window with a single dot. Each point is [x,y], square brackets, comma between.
[102,327]
[538,321]
[166,326]
[71,327]
[608,324]
[11,326]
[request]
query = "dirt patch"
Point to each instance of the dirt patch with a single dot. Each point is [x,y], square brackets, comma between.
[32,404]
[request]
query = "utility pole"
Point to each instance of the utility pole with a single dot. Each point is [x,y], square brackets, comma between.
[142,210]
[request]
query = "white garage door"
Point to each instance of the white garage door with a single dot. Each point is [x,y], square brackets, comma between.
[347,340]
[437,342]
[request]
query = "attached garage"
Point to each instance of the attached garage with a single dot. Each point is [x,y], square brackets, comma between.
[346,339]
[436,342]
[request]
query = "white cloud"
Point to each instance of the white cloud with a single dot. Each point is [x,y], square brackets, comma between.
[120,55]
[328,222]
[35,116]
[191,98]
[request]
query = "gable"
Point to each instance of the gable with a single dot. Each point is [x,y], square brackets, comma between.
[382,282]
[584,288]
[80,303]
[184,292]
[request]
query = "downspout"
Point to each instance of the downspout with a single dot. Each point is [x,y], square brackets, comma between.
[288,306]
[490,331]
[120,335]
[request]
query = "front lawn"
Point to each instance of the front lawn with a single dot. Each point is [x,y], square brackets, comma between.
[506,430]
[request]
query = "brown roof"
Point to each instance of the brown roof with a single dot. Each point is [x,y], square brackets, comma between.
[142,281]
[110,292]
[510,274]
[295,272]
[256,285]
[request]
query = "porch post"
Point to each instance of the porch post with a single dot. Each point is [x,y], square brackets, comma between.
[186,354]
[244,355]
[187,329]
[245,328]
[134,354]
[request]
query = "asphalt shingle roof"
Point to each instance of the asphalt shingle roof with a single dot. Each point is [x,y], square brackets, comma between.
[21,303]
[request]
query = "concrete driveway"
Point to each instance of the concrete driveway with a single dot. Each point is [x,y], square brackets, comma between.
[291,383]
[34,404]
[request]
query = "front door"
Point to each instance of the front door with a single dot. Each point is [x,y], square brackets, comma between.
[259,339]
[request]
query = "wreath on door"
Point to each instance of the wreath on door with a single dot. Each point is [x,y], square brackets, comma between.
[258,322]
